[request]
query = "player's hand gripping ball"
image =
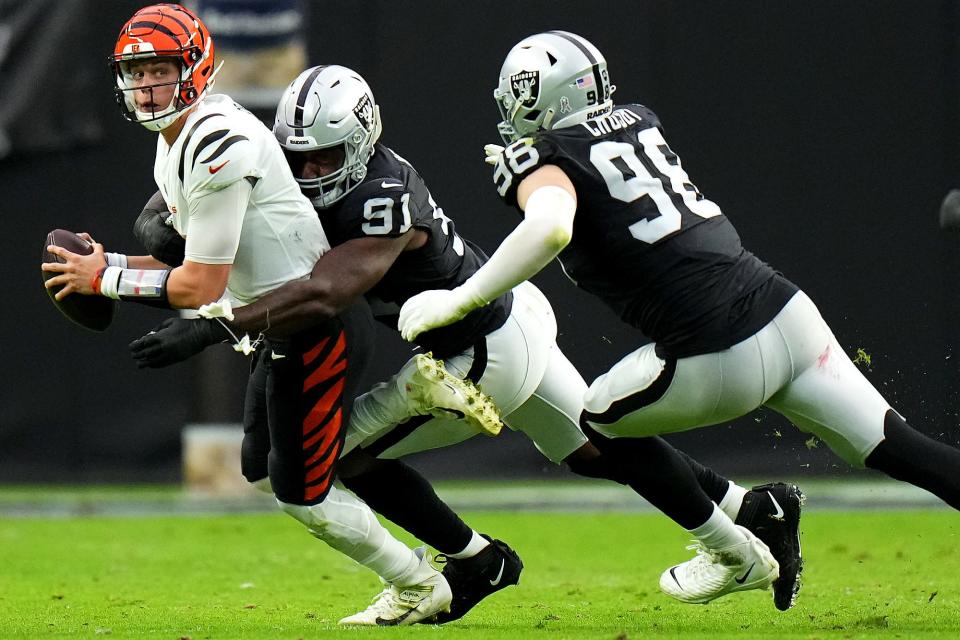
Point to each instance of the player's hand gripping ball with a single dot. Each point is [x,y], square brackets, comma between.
[90,312]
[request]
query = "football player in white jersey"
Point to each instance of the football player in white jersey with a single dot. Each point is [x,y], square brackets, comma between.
[391,240]
[600,189]
[248,229]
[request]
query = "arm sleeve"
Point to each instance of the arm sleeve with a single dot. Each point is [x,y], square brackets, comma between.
[216,219]
[545,230]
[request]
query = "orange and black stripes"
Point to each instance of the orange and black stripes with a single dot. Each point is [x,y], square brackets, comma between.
[322,423]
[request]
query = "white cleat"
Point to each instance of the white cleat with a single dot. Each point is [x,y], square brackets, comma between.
[405,605]
[431,389]
[717,572]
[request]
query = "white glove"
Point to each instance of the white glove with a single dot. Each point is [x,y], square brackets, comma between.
[437,308]
[493,153]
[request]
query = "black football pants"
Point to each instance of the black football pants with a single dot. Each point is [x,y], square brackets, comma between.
[298,401]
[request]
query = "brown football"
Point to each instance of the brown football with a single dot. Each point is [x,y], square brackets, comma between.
[90,312]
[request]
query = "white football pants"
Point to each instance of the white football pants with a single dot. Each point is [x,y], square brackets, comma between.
[793,365]
[536,388]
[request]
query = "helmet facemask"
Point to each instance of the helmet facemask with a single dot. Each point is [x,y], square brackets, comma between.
[518,121]
[159,116]
[158,33]
[325,190]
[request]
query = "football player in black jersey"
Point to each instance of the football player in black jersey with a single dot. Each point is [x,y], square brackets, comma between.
[600,188]
[391,241]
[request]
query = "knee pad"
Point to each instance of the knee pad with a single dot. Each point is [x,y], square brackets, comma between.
[341,520]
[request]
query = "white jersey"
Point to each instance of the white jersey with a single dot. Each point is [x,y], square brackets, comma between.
[279,238]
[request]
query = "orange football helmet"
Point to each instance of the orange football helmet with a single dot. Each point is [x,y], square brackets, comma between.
[163,31]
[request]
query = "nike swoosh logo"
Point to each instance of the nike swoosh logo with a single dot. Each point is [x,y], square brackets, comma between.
[743,579]
[776,505]
[383,622]
[390,185]
[213,170]
[496,581]
[277,356]
[674,576]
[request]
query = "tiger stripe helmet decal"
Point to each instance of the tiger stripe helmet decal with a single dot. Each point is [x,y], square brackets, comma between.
[164,31]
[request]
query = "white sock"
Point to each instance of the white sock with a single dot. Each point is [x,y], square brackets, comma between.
[477,544]
[381,408]
[732,500]
[718,532]
[349,526]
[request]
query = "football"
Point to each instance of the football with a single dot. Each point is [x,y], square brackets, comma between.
[90,312]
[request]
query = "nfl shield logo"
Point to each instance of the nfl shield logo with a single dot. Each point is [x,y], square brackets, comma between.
[525,87]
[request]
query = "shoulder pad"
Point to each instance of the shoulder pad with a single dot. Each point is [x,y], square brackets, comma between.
[216,152]
[644,112]
[517,161]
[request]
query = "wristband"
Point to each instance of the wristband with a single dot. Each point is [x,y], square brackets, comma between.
[116,260]
[139,285]
[107,286]
[97,280]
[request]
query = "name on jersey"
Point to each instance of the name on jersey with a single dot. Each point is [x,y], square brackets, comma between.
[620,119]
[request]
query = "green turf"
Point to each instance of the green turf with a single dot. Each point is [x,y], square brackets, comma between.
[870,575]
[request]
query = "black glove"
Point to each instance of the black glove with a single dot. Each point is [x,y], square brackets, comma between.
[175,340]
[159,239]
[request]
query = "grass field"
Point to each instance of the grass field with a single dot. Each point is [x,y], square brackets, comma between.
[587,575]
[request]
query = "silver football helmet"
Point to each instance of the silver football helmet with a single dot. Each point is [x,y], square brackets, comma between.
[324,108]
[551,80]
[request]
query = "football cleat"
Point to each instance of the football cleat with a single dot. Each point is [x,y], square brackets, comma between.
[431,389]
[473,579]
[713,573]
[405,605]
[772,512]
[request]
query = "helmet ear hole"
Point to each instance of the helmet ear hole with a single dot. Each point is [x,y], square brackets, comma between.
[533,115]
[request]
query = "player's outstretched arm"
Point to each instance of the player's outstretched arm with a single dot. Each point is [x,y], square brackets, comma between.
[549,202]
[339,278]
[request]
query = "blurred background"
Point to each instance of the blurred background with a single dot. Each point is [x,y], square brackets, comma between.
[828,132]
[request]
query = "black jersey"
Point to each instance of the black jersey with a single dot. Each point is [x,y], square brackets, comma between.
[645,240]
[392,199]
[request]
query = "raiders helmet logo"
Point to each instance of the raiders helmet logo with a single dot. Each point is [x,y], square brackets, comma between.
[525,87]
[364,112]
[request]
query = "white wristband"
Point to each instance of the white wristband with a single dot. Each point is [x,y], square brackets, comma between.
[116,260]
[110,281]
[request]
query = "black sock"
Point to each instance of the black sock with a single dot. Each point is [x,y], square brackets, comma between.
[657,471]
[908,455]
[404,497]
[712,483]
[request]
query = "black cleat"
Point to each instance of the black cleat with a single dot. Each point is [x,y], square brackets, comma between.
[473,579]
[772,513]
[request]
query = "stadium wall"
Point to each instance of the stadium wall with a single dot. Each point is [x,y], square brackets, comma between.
[826,131]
